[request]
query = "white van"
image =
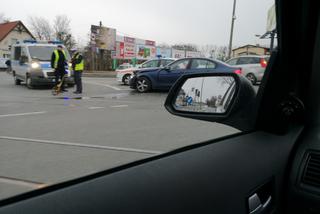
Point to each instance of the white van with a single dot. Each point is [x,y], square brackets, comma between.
[31,63]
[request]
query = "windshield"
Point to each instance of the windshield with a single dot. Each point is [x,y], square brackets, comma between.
[59,124]
[43,53]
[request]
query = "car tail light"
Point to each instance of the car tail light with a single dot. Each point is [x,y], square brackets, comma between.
[263,63]
[238,71]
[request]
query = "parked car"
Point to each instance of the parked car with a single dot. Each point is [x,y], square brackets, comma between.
[3,65]
[253,66]
[163,78]
[123,76]
[124,66]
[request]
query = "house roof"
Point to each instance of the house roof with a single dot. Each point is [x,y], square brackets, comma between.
[6,28]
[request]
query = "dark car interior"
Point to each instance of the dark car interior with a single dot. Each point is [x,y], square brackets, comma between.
[273,166]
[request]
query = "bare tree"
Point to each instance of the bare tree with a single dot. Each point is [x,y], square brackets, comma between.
[222,53]
[3,18]
[40,27]
[62,31]
[209,51]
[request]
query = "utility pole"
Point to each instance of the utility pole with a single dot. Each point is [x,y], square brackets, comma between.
[232,24]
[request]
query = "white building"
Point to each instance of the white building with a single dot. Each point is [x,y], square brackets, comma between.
[10,33]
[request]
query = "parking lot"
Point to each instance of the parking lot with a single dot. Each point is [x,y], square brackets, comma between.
[46,139]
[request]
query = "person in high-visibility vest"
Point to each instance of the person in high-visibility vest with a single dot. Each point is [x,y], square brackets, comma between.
[58,63]
[77,67]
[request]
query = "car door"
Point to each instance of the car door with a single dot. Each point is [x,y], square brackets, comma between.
[247,172]
[168,76]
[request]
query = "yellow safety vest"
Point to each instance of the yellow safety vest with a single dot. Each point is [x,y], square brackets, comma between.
[56,59]
[79,66]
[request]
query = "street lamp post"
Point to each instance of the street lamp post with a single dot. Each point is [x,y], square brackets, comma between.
[232,25]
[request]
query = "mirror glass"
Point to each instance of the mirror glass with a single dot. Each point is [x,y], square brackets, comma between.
[210,94]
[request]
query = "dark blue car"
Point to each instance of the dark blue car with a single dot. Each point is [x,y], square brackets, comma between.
[163,78]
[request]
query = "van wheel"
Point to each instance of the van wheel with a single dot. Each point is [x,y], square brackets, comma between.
[16,80]
[29,82]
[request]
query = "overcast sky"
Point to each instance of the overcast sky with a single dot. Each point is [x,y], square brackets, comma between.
[167,21]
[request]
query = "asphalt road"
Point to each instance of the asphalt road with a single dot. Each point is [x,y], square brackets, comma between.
[46,139]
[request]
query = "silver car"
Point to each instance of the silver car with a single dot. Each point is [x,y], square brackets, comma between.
[253,66]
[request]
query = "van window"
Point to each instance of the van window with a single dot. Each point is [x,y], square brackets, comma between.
[17,53]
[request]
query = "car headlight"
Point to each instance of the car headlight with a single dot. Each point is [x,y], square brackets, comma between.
[70,64]
[35,65]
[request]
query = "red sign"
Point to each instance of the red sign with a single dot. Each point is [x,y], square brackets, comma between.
[121,49]
[129,39]
[129,50]
[150,43]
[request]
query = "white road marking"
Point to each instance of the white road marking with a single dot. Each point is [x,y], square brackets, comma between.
[119,106]
[95,107]
[23,114]
[92,146]
[102,84]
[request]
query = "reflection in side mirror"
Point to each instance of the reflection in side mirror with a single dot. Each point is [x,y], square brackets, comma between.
[210,94]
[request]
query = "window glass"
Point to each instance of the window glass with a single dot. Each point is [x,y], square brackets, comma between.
[150,64]
[199,64]
[181,64]
[243,61]
[17,53]
[165,62]
[232,62]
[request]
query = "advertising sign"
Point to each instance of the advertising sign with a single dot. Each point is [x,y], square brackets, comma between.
[150,43]
[121,49]
[145,52]
[103,37]
[129,40]
[193,54]
[178,53]
[271,20]
[129,50]
[163,52]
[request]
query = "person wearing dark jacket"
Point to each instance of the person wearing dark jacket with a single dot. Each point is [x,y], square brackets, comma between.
[58,62]
[77,67]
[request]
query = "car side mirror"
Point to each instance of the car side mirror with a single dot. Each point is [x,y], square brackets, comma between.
[8,63]
[227,98]
[167,68]
[23,59]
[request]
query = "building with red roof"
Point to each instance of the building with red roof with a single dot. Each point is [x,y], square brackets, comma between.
[10,33]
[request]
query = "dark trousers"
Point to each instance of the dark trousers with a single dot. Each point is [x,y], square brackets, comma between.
[59,75]
[78,80]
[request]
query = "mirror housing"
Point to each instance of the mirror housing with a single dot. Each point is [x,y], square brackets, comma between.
[167,68]
[240,111]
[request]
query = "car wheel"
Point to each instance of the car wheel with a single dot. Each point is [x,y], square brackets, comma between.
[16,80]
[252,78]
[29,82]
[143,84]
[126,79]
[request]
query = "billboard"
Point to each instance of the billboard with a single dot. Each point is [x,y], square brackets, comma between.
[178,53]
[193,54]
[129,50]
[271,20]
[163,52]
[145,52]
[103,37]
